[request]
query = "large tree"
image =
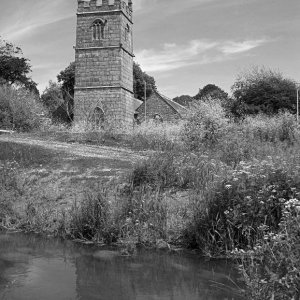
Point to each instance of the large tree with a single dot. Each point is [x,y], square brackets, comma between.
[211,91]
[139,79]
[67,79]
[262,90]
[14,68]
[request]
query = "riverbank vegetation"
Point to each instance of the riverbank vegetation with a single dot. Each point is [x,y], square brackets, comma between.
[232,189]
[225,181]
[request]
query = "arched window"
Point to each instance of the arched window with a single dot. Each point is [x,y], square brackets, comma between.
[127,32]
[98,30]
[97,117]
[158,118]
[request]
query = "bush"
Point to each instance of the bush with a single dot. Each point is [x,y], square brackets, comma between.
[205,125]
[261,90]
[278,128]
[155,136]
[272,268]
[142,216]
[9,192]
[91,219]
[239,204]
[19,109]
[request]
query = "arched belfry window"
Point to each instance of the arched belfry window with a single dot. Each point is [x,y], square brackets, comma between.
[127,32]
[98,117]
[98,29]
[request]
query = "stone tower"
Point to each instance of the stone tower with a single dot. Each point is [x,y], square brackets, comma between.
[104,62]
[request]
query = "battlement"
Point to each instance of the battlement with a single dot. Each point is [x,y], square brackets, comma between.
[105,5]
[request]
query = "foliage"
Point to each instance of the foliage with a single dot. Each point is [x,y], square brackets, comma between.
[14,69]
[279,128]
[143,215]
[19,109]
[249,197]
[155,136]
[91,219]
[184,100]
[67,79]
[205,125]
[8,193]
[271,269]
[211,91]
[52,97]
[139,78]
[261,90]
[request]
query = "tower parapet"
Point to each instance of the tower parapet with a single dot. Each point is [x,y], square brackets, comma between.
[106,5]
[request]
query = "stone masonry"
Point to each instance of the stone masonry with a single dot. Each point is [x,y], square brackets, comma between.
[161,108]
[104,61]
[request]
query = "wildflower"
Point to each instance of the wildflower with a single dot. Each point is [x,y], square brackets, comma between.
[226,212]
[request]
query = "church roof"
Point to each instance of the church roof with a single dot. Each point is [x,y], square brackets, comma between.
[176,106]
[137,103]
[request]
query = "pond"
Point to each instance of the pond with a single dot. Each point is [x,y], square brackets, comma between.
[36,268]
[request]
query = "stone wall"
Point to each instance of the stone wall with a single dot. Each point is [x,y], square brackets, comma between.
[155,105]
[117,105]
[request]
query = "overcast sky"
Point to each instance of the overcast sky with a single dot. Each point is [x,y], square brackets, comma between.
[184,44]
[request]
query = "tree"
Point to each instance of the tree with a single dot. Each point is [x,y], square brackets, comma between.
[67,79]
[184,100]
[139,78]
[52,97]
[211,91]
[14,69]
[262,90]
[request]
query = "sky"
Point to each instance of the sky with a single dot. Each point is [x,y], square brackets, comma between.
[183,44]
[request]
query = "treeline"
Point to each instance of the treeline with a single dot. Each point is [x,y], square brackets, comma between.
[255,91]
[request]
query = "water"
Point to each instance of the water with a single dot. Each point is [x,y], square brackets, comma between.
[35,268]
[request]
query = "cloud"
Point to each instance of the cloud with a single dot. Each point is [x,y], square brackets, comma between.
[27,20]
[195,52]
[239,47]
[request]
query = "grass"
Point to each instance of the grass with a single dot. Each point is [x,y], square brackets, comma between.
[208,184]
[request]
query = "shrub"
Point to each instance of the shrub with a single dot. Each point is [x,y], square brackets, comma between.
[205,125]
[19,109]
[272,268]
[142,215]
[278,128]
[261,90]
[238,205]
[155,136]
[91,219]
[9,192]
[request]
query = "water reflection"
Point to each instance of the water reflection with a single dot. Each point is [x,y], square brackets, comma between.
[38,268]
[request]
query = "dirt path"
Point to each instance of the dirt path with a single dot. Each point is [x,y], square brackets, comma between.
[76,149]
[62,172]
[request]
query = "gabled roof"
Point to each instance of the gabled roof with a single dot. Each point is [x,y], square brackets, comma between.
[176,106]
[137,103]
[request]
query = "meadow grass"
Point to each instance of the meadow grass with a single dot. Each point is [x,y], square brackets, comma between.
[210,184]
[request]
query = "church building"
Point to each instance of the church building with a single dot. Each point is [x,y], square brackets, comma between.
[104,62]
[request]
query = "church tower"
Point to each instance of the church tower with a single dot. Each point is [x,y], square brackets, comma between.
[104,62]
